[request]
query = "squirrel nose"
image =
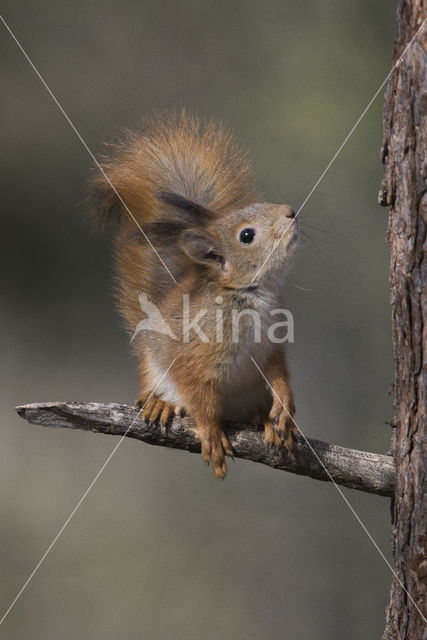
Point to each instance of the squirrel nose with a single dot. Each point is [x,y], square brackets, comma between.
[288,211]
[282,211]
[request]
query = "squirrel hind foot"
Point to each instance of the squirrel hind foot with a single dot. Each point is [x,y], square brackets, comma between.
[215,446]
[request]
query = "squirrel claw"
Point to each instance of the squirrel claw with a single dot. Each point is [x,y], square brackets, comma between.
[227,446]
[215,446]
[270,436]
[287,431]
[153,409]
[280,428]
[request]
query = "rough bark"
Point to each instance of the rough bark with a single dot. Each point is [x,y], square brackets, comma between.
[370,472]
[403,190]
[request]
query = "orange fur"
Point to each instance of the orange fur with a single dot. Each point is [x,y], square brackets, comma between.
[191,190]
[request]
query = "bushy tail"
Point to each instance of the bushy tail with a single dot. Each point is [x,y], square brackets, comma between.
[172,156]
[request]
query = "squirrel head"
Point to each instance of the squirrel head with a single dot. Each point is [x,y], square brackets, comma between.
[246,246]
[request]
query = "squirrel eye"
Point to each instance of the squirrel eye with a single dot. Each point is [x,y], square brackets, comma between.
[247,235]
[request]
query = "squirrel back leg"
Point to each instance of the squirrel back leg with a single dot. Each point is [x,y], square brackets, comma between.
[205,409]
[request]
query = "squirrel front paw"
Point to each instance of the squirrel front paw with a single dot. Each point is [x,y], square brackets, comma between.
[280,427]
[154,408]
[215,446]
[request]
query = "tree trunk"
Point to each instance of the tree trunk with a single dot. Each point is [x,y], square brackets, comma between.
[402,191]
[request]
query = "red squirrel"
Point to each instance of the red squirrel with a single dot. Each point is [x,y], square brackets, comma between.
[204,239]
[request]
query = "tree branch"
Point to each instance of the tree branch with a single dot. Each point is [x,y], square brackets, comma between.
[370,472]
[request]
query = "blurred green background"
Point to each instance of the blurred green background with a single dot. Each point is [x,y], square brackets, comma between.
[160,549]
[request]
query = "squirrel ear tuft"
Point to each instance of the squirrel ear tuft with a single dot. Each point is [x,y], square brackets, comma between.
[204,248]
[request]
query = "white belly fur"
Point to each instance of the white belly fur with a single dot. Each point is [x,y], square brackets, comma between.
[163,385]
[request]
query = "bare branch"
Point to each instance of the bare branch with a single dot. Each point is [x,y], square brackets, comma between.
[370,472]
